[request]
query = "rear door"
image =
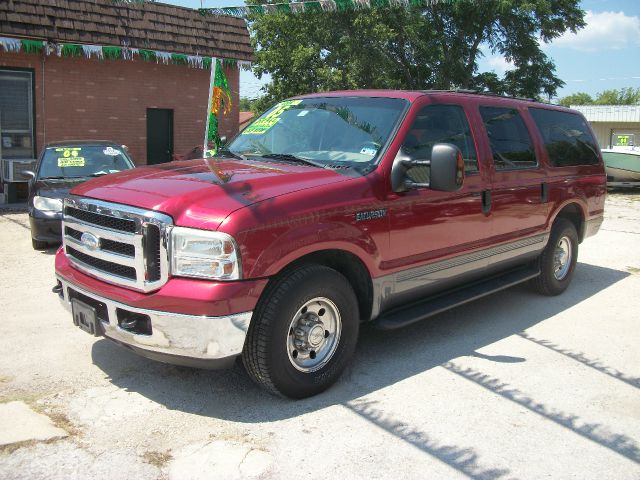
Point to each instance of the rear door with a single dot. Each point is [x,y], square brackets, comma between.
[518,199]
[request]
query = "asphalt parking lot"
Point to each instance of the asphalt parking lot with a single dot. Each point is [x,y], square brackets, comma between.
[512,386]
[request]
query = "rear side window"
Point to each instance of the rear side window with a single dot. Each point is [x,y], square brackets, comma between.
[509,138]
[566,136]
[441,124]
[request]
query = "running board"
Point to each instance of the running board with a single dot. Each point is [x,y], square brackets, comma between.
[402,316]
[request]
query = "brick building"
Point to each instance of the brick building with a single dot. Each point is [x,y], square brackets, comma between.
[153,103]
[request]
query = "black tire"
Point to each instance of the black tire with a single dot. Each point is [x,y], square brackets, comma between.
[551,282]
[266,355]
[38,244]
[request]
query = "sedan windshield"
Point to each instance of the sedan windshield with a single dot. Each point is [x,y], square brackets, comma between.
[83,161]
[331,132]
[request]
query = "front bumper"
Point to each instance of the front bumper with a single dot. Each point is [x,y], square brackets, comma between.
[189,340]
[46,226]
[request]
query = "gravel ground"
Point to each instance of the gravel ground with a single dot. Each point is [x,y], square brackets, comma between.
[511,386]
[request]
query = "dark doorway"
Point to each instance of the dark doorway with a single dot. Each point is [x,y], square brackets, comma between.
[159,135]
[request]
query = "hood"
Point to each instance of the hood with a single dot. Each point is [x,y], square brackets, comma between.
[58,188]
[202,193]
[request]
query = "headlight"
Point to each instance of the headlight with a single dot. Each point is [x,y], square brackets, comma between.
[47,204]
[203,254]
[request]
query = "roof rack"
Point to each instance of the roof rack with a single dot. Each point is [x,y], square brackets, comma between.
[478,92]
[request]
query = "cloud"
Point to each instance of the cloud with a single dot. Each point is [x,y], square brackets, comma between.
[604,31]
[499,64]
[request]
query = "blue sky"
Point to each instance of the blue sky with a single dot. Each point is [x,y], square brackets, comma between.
[603,55]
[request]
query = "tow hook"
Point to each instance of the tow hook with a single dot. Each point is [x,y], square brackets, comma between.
[57,289]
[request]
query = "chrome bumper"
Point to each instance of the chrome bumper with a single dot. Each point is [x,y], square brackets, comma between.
[198,341]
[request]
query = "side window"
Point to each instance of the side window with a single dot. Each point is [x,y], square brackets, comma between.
[441,124]
[509,138]
[566,136]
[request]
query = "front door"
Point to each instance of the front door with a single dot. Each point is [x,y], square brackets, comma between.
[435,236]
[159,135]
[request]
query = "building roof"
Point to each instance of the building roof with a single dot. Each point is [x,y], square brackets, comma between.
[148,25]
[609,113]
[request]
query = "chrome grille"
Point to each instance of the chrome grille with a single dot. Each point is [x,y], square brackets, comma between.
[123,245]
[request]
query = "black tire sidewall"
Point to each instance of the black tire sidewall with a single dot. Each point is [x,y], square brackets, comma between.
[321,282]
[563,228]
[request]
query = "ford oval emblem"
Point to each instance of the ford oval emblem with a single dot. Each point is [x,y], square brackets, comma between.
[89,240]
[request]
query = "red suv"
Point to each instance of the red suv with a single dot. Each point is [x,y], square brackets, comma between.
[328,211]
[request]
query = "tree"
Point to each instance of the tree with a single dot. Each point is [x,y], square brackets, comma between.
[579,98]
[624,96]
[412,47]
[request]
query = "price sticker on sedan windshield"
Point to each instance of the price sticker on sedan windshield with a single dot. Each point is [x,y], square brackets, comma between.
[261,125]
[71,162]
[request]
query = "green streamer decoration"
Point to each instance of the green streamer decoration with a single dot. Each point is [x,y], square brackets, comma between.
[179,59]
[344,5]
[32,46]
[71,50]
[283,8]
[112,53]
[313,7]
[229,62]
[256,9]
[147,55]
[206,63]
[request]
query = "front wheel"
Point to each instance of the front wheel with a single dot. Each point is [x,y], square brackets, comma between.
[558,260]
[303,333]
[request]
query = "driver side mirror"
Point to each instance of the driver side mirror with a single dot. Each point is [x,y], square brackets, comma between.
[223,140]
[446,170]
[30,174]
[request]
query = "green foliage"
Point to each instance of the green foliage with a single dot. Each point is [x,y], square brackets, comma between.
[415,47]
[624,96]
[579,98]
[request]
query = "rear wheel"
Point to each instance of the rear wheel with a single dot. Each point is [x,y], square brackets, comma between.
[303,333]
[38,244]
[558,260]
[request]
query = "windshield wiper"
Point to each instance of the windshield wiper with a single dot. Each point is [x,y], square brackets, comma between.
[291,158]
[233,154]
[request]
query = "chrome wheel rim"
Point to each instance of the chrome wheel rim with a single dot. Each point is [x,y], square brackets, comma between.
[314,334]
[562,258]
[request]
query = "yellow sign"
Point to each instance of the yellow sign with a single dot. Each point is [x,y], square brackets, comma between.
[71,161]
[69,152]
[263,124]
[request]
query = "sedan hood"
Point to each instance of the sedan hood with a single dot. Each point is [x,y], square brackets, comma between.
[202,193]
[58,188]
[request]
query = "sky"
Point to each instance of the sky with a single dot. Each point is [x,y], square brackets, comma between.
[603,55]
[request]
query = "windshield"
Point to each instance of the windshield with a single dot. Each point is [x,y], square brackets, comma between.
[332,132]
[83,161]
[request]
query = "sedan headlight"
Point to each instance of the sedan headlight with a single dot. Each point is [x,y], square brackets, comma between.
[47,204]
[204,254]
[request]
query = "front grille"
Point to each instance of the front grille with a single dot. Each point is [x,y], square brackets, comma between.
[101,220]
[119,244]
[103,265]
[120,248]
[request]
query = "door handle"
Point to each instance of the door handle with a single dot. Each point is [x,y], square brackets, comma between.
[486,201]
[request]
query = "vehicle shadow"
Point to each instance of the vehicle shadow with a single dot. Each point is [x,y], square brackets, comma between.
[383,358]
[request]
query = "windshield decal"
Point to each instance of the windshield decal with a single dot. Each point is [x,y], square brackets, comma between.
[261,125]
[112,152]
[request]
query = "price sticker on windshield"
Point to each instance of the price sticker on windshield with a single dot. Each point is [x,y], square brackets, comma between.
[71,162]
[263,124]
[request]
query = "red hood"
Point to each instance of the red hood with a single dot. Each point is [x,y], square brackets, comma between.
[202,193]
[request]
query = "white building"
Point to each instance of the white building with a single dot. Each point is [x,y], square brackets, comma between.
[614,125]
